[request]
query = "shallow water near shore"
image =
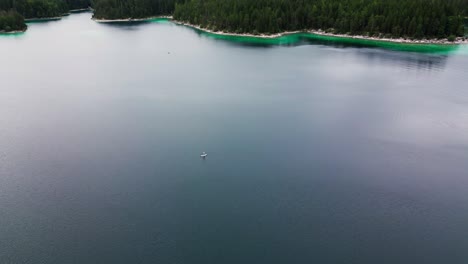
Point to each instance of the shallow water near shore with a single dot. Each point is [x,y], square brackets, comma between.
[311,38]
[318,151]
[302,38]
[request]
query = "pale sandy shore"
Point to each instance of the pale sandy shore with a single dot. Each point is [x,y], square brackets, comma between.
[129,19]
[459,40]
[235,34]
[12,32]
[80,10]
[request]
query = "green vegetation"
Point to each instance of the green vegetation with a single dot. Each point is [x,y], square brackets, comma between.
[466,26]
[389,18]
[41,8]
[386,18]
[11,21]
[380,18]
[78,4]
[302,37]
[115,9]
[13,12]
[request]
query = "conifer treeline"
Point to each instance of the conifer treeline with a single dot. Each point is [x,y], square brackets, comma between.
[396,18]
[13,12]
[115,9]
[78,4]
[40,8]
[11,21]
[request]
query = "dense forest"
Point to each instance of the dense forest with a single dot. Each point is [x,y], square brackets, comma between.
[40,8]
[114,9]
[13,12]
[78,4]
[11,21]
[390,18]
[393,18]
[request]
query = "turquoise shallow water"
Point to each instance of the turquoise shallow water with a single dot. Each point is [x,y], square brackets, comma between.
[304,38]
[319,151]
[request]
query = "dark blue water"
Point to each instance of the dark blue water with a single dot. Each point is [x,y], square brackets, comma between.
[317,153]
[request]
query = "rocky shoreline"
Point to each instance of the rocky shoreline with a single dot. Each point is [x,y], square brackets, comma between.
[100,20]
[457,41]
[12,32]
[80,10]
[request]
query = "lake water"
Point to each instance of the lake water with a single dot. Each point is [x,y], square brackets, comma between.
[318,152]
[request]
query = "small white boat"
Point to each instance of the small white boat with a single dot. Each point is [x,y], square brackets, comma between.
[203,155]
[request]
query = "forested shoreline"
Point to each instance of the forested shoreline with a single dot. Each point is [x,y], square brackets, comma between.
[11,21]
[389,18]
[14,12]
[413,19]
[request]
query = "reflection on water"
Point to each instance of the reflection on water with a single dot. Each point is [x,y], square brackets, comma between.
[44,20]
[298,39]
[411,60]
[133,25]
[407,59]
